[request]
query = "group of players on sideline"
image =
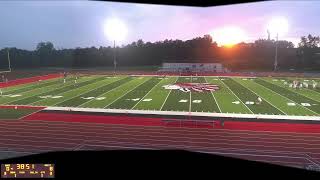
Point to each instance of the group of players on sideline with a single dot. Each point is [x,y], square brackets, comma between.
[297,84]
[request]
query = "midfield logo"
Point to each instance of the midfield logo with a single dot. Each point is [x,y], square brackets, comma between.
[197,87]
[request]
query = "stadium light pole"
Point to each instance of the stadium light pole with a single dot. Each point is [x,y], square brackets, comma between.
[114,57]
[9,60]
[115,30]
[276,55]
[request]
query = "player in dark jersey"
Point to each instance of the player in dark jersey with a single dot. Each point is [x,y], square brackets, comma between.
[64,77]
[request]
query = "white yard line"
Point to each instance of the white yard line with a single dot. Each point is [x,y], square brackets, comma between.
[236,96]
[37,94]
[56,89]
[126,93]
[104,92]
[214,97]
[147,94]
[81,93]
[168,95]
[286,97]
[263,98]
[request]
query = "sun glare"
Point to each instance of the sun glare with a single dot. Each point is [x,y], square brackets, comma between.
[115,30]
[228,36]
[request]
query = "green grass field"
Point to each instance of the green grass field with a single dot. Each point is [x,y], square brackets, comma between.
[235,95]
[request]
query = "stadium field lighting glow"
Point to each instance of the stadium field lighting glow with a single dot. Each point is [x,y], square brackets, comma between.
[115,30]
[278,25]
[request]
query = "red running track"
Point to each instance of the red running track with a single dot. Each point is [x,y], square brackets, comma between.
[286,148]
[232,125]
[28,80]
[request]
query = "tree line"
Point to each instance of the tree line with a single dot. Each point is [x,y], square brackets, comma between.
[258,55]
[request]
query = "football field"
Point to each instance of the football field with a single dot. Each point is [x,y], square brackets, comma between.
[226,95]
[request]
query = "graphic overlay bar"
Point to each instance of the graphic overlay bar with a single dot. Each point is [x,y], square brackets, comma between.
[27,171]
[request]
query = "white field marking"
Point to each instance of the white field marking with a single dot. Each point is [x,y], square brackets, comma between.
[12,95]
[135,87]
[305,104]
[291,104]
[104,92]
[168,95]
[160,131]
[196,101]
[263,98]
[100,98]
[236,102]
[87,98]
[204,114]
[147,100]
[67,92]
[237,97]
[56,97]
[286,97]
[146,94]
[214,97]
[183,100]
[249,102]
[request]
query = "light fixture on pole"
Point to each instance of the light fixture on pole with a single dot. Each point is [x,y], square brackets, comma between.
[115,30]
[278,25]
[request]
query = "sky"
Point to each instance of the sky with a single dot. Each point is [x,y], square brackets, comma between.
[70,24]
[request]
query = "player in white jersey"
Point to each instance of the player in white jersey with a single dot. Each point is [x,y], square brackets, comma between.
[314,85]
[300,85]
[259,100]
[0,91]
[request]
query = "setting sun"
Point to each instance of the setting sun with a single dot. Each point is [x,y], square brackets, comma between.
[228,36]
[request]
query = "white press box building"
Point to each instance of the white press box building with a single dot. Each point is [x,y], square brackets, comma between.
[192,67]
